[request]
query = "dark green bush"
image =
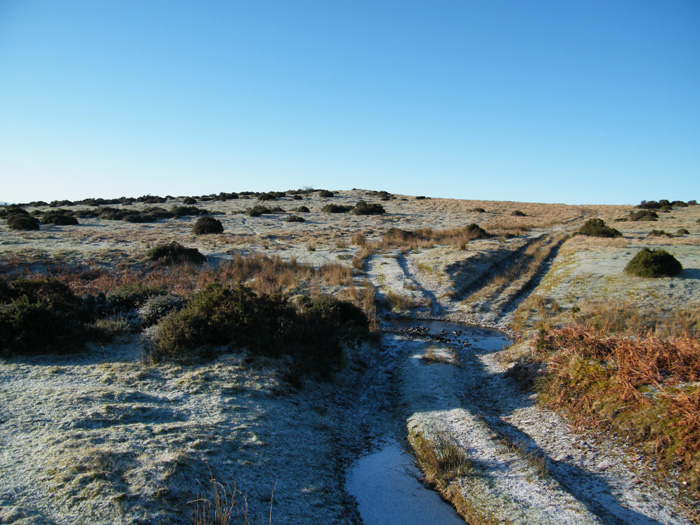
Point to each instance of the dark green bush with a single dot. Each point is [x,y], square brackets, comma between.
[175,253]
[219,316]
[312,333]
[139,218]
[206,225]
[682,231]
[297,198]
[658,233]
[22,221]
[189,200]
[476,232]
[518,213]
[362,208]
[598,228]
[479,210]
[336,208]
[653,263]
[302,209]
[128,297]
[325,194]
[643,215]
[41,316]
[187,211]
[294,218]
[59,217]
[151,199]
[257,211]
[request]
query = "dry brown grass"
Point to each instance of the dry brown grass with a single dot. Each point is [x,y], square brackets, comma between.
[644,389]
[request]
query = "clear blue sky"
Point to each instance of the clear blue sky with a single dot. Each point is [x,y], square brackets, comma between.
[582,101]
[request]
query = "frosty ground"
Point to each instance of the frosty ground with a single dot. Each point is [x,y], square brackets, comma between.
[105,437]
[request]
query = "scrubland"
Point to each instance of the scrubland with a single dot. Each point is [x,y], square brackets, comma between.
[151,369]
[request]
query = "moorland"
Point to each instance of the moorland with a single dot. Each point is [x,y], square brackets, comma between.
[227,358]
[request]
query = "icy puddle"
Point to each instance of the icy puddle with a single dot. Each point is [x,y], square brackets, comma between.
[386,487]
[386,484]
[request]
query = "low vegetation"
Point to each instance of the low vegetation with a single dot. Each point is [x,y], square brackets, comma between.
[598,228]
[40,316]
[653,263]
[207,225]
[643,389]
[175,253]
[311,331]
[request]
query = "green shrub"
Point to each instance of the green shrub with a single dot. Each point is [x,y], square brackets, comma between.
[157,307]
[643,215]
[312,333]
[257,211]
[336,208]
[41,316]
[189,200]
[218,316]
[653,263]
[362,208]
[479,210]
[128,297]
[598,228]
[302,209]
[325,194]
[294,218]
[206,225]
[139,218]
[17,221]
[518,213]
[682,231]
[60,217]
[187,211]
[476,232]
[174,253]
[658,233]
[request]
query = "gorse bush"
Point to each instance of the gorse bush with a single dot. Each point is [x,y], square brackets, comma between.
[206,225]
[60,217]
[18,218]
[175,253]
[294,218]
[22,222]
[362,208]
[41,316]
[311,333]
[653,263]
[598,228]
[643,215]
[336,208]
